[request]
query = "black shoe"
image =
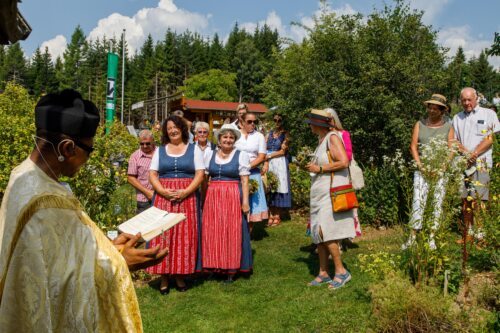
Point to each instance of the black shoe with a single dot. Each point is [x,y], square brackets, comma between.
[182,289]
[164,291]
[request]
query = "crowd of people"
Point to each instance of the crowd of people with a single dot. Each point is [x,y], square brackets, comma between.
[60,272]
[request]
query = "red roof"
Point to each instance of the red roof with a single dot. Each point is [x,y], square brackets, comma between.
[194,104]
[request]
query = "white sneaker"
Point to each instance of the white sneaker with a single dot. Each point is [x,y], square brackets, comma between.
[409,243]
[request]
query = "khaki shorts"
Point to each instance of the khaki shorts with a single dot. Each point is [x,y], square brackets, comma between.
[477,185]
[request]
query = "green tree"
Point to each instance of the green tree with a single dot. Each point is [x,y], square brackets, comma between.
[375,74]
[495,47]
[15,65]
[482,75]
[456,76]
[74,59]
[41,73]
[216,54]
[212,85]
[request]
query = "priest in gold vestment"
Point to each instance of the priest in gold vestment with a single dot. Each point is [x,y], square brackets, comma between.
[59,272]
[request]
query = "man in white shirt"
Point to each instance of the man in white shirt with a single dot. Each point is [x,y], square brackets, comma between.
[473,131]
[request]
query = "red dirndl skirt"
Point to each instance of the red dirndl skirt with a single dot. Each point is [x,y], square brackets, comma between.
[222,227]
[181,240]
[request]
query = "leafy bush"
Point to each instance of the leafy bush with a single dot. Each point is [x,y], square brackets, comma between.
[104,173]
[18,126]
[301,185]
[398,306]
[380,264]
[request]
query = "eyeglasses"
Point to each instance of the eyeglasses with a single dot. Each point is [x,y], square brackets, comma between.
[145,143]
[83,146]
[202,132]
[250,122]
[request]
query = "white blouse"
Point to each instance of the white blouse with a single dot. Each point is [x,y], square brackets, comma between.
[198,158]
[253,145]
[243,161]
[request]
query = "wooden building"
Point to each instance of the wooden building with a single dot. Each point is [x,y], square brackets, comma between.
[212,112]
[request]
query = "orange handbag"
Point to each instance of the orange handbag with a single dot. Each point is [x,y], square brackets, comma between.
[343,197]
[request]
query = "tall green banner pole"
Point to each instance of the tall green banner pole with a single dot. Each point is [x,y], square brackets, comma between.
[111,89]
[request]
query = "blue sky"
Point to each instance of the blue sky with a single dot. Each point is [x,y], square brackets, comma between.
[470,24]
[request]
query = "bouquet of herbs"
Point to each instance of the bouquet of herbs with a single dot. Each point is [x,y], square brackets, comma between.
[272,182]
[253,186]
[304,156]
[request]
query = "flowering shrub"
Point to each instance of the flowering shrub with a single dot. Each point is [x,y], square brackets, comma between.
[18,126]
[104,173]
[272,182]
[380,264]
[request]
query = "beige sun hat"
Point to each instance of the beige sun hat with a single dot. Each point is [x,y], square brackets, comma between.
[228,127]
[438,99]
[319,118]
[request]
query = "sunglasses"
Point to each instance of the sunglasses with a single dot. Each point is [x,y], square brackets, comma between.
[145,143]
[250,122]
[202,132]
[83,146]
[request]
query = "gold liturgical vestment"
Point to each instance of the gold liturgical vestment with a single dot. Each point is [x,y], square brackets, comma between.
[64,275]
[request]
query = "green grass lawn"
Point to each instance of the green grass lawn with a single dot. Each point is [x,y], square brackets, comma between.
[275,298]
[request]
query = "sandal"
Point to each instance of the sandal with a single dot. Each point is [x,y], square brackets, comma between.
[271,222]
[316,283]
[277,221]
[344,278]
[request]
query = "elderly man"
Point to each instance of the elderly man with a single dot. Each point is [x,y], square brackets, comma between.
[59,272]
[138,170]
[473,131]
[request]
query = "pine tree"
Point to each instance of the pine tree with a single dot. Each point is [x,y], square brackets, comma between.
[216,56]
[74,59]
[456,76]
[482,75]
[15,68]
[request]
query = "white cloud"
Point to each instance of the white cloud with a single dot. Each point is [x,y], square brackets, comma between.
[454,37]
[154,21]
[296,32]
[56,46]
[431,8]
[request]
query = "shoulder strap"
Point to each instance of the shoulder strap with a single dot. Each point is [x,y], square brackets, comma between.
[330,158]
[37,203]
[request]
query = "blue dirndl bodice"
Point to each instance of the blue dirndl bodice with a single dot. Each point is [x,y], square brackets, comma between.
[228,171]
[274,144]
[177,167]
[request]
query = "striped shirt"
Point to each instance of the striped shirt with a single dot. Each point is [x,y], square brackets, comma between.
[138,166]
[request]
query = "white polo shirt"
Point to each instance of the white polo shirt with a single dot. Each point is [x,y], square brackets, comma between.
[471,128]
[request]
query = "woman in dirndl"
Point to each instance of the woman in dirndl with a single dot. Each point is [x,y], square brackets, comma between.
[254,144]
[277,163]
[226,239]
[328,228]
[176,172]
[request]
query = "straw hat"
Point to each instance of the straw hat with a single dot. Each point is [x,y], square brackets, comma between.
[231,128]
[319,118]
[438,100]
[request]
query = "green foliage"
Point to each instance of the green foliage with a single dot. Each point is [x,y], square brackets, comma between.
[397,306]
[16,121]
[379,265]
[103,174]
[212,85]
[301,185]
[381,203]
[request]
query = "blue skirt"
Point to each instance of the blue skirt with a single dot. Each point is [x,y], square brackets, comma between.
[258,205]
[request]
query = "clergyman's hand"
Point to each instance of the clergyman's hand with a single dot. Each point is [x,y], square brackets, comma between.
[138,258]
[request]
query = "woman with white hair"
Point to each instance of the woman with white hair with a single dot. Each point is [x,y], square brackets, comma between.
[346,138]
[226,238]
[202,130]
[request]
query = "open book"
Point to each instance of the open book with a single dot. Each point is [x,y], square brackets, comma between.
[151,223]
